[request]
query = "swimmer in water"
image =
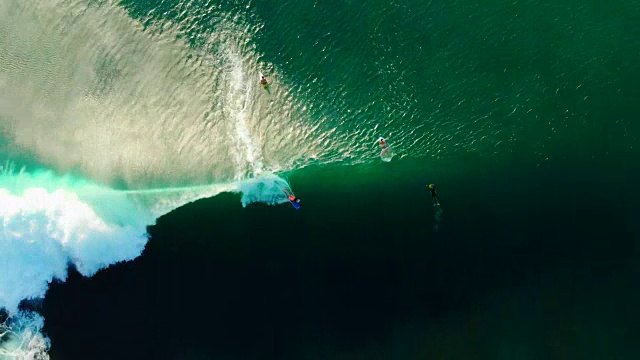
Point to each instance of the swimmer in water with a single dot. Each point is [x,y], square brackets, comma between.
[434,196]
[382,142]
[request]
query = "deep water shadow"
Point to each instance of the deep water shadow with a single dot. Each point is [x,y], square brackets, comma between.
[357,264]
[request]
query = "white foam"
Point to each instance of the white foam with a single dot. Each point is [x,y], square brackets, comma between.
[24,340]
[48,222]
[42,231]
[266,188]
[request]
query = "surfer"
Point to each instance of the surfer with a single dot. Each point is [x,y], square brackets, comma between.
[263,81]
[434,196]
[292,198]
[382,142]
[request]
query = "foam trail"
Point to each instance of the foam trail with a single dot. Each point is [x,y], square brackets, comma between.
[437,218]
[240,98]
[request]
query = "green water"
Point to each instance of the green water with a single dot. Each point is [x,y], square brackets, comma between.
[523,113]
[443,78]
[165,93]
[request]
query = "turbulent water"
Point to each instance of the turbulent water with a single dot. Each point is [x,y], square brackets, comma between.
[113,114]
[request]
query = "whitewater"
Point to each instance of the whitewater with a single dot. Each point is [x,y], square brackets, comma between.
[106,125]
[50,223]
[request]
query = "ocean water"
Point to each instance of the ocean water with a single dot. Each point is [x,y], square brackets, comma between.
[140,192]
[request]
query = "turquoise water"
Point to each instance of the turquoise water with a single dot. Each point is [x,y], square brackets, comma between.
[116,116]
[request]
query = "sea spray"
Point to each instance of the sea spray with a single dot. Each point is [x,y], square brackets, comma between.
[265,188]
